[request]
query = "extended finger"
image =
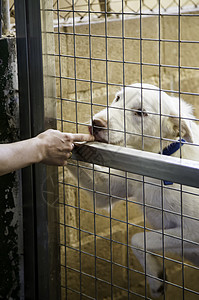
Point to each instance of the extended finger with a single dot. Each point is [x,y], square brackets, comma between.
[80,137]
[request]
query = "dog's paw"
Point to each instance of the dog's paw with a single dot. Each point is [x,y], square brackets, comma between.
[158,286]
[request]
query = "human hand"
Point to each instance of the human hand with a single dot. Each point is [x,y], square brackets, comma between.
[55,146]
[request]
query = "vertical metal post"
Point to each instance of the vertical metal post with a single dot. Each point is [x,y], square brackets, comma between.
[50,184]
[5,9]
[0,18]
[30,69]
[25,132]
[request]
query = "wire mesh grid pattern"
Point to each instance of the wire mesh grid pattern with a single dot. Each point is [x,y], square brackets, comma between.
[142,248]
[97,8]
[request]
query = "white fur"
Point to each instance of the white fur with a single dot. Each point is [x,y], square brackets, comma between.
[153,102]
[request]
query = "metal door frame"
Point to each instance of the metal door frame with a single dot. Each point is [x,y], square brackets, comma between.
[40,279]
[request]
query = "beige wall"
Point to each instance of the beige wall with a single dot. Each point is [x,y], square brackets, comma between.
[84,92]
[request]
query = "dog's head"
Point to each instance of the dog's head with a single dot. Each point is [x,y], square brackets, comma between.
[139,116]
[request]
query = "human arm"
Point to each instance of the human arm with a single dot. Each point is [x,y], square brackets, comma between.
[51,147]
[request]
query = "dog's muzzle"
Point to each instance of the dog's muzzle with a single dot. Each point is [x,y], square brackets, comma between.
[97,127]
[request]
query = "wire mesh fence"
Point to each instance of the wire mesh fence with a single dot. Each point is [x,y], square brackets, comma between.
[98,8]
[128,232]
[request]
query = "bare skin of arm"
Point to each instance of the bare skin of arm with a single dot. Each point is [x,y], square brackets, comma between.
[51,147]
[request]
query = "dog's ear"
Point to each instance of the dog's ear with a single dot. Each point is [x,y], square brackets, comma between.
[183,127]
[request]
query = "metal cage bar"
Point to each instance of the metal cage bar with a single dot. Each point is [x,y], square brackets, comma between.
[144,163]
[39,275]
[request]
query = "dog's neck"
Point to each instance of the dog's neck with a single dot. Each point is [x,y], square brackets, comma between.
[171,149]
[166,147]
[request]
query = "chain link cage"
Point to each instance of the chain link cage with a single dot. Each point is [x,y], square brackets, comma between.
[97,8]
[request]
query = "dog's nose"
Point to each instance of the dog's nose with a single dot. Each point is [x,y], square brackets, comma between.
[97,125]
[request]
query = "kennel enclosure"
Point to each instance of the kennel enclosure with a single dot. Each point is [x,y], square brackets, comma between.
[75,58]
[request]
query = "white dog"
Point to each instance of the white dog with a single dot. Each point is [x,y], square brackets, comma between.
[149,116]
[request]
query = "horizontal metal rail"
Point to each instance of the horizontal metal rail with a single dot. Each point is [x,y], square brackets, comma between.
[144,163]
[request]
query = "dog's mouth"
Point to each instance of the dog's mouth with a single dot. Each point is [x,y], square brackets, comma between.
[98,134]
[118,142]
[102,137]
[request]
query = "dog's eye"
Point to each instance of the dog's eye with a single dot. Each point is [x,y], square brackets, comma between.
[139,112]
[117,99]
